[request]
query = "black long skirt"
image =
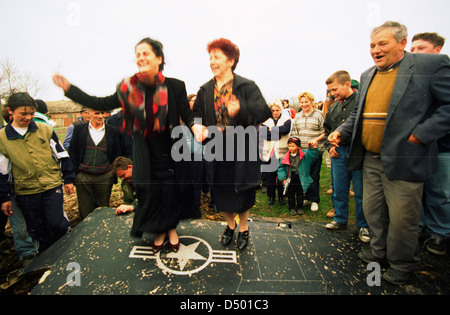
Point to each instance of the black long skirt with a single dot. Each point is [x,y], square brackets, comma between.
[160,204]
[165,196]
[226,196]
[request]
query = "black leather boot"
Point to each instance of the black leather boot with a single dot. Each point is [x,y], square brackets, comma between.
[228,234]
[242,240]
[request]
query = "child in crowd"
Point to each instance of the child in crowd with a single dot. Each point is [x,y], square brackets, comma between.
[35,167]
[294,171]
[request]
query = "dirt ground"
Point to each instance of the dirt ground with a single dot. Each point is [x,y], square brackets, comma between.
[12,282]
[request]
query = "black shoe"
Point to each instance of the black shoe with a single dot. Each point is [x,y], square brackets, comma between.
[271,201]
[396,277]
[228,234]
[281,201]
[436,245]
[174,247]
[242,240]
[157,248]
[367,256]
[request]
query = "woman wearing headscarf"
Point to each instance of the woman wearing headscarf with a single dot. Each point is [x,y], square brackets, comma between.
[152,106]
[226,104]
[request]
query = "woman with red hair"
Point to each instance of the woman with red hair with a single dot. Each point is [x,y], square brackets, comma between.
[225,102]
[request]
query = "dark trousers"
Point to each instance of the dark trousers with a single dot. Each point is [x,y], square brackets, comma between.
[392,210]
[313,191]
[44,216]
[198,180]
[3,221]
[93,190]
[273,185]
[295,192]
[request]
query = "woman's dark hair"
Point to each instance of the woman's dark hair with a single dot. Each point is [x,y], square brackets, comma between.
[157,48]
[16,100]
[229,49]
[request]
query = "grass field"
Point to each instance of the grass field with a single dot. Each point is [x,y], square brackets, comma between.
[262,207]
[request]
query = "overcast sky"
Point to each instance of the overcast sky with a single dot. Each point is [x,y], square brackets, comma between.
[287,46]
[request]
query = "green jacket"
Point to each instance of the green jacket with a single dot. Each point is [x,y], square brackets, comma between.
[307,158]
[129,194]
[34,164]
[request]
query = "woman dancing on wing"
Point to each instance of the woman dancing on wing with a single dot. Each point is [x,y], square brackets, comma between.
[152,105]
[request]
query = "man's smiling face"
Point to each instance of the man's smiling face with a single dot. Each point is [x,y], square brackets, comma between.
[385,49]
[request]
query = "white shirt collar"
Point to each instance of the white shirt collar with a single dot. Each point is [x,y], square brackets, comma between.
[92,127]
[96,134]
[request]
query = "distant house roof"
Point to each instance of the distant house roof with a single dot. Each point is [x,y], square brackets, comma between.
[62,107]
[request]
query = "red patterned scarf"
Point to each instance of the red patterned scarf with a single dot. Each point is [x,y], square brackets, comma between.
[132,96]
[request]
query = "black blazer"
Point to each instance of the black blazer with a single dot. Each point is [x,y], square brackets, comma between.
[253,111]
[178,106]
[77,145]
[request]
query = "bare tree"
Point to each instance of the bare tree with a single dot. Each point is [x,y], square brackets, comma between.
[11,80]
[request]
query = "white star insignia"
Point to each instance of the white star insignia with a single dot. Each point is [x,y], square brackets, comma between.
[186,253]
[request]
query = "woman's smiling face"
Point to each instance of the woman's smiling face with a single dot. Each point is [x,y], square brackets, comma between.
[305,104]
[146,60]
[219,63]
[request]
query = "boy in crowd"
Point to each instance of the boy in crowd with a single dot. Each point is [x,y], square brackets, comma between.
[294,171]
[33,157]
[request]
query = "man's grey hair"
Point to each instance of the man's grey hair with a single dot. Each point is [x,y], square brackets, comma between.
[400,31]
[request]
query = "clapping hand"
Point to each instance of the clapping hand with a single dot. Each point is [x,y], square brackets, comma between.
[200,132]
[233,106]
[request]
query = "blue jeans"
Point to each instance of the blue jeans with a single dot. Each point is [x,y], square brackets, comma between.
[436,199]
[23,243]
[341,178]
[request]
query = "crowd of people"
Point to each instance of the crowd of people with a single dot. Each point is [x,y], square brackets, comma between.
[387,136]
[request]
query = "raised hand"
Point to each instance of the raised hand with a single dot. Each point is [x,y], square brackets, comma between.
[61,82]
